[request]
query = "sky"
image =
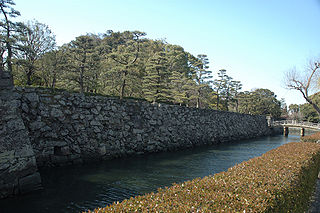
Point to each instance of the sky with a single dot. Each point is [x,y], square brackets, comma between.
[256,41]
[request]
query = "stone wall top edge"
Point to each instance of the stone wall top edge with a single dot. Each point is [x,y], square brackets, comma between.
[64,93]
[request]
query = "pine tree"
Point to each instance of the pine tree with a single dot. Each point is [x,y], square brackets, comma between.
[155,83]
[8,34]
[82,61]
[178,90]
[201,74]
[126,56]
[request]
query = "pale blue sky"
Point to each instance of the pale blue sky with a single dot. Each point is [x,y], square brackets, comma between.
[256,41]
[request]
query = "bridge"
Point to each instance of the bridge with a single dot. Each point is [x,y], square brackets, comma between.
[296,124]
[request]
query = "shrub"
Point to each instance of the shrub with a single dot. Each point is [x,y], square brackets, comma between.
[311,138]
[280,180]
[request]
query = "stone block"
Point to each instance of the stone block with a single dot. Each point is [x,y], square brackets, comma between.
[4,165]
[102,150]
[94,111]
[6,156]
[75,116]
[57,97]
[36,125]
[15,125]
[56,143]
[96,129]
[56,113]
[45,129]
[63,103]
[64,132]
[95,123]
[32,97]
[25,151]
[138,131]
[67,112]
[25,107]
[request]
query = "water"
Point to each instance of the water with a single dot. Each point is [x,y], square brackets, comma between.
[83,187]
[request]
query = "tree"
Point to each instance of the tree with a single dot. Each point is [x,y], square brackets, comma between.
[82,63]
[201,75]
[284,109]
[260,102]
[155,84]
[304,84]
[228,85]
[51,66]
[308,112]
[221,87]
[182,88]
[294,111]
[236,87]
[126,56]
[178,71]
[36,40]
[8,31]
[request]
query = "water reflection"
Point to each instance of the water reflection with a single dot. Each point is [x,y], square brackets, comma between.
[78,188]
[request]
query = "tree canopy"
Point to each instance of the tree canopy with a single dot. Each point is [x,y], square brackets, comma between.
[123,64]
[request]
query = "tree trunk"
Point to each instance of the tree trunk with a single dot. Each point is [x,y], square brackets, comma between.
[218,99]
[53,81]
[315,106]
[123,85]
[8,45]
[198,99]
[29,82]
[81,82]
[237,105]
[306,97]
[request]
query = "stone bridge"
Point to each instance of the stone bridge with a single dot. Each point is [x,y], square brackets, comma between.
[296,124]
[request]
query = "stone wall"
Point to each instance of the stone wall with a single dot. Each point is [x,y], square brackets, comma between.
[18,168]
[6,81]
[61,128]
[67,128]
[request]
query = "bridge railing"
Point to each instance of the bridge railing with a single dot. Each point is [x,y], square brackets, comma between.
[296,123]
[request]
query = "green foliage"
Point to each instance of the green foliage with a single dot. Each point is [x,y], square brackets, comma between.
[260,102]
[9,36]
[123,64]
[308,111]
[126,57]
[81,69]
[156,80]
[226,91]
[35,40]
[280,180]
[126,65]
[50,68]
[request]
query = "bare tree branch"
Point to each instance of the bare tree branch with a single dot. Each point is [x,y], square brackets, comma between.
[303,85]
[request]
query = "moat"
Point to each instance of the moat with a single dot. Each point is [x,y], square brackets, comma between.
[83,187]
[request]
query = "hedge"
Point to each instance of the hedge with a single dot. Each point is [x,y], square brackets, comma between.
[281,180]
[311,138]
